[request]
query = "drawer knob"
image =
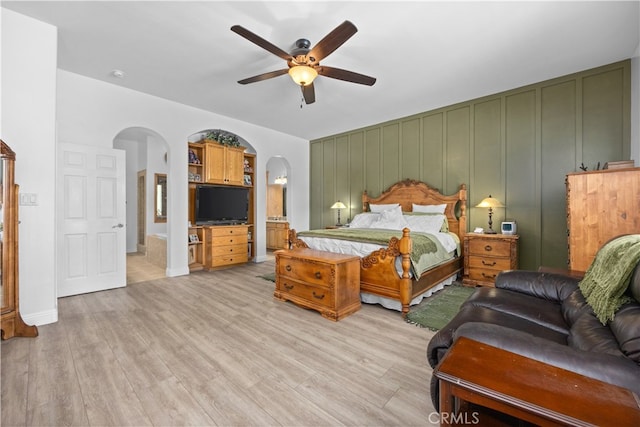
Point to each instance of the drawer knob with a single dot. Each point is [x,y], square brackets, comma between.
[288,267]
[318,275]
[489,264]
[288,287]
[488,248]
[316,296]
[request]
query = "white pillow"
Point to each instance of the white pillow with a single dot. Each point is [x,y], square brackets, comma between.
[426,223]
[391,219]
[364,220]
[380,208]
[429,208]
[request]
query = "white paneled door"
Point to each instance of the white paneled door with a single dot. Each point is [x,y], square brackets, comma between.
[91,238]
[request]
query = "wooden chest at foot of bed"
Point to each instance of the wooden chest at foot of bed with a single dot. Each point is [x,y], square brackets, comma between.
[322,281]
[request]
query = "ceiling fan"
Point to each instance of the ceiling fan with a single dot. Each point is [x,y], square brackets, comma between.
[304,63]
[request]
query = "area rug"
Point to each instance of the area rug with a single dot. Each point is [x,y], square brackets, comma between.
[269,276]
[436,311]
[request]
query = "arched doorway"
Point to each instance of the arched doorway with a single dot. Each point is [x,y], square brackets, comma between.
[277,206]
[147,175]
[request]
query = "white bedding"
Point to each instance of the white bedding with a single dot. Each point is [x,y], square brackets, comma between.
[449,241]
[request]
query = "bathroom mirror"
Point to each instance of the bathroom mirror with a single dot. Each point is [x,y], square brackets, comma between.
[160,198]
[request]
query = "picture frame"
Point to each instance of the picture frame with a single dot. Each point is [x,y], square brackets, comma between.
[193,238]
[192,254]
[193,157]
[247,180]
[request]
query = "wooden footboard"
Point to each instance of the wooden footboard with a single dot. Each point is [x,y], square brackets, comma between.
[378,274]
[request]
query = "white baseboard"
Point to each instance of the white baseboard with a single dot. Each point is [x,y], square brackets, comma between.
[175,272]
[42,318]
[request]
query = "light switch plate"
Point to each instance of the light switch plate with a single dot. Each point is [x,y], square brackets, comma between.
[28,199]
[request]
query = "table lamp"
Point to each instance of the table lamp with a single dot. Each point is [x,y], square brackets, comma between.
[338,205]
[490,203]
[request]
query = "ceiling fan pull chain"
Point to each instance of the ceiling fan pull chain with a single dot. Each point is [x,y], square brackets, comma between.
[301,102]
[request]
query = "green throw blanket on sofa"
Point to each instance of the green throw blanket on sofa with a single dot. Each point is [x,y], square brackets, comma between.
[608,276]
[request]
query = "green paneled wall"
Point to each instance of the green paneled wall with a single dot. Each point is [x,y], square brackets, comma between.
[517,146]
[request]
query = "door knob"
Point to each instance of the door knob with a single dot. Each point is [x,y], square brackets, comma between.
[118,226]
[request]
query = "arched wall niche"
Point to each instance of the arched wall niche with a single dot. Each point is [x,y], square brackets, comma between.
[251,181]
[197,136]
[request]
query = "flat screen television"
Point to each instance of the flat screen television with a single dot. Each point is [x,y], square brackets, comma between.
[217,204]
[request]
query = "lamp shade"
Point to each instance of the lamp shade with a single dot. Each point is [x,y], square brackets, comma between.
[490,202]
[303,74]
[338,205]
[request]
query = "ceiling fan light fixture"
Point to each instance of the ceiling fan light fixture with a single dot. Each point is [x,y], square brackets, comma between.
[303,75]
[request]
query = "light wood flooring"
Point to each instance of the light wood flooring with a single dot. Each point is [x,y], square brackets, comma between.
[141,270]
[215,348]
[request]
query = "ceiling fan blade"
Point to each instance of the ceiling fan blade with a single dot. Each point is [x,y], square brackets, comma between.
[309,94]
[254,38]
[263,76]
[331,41]
[347,76]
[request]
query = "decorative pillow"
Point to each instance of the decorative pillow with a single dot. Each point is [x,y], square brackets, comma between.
[429,208]
[364,220]
[380,208]
[391,219]
[427,223]
[445,221]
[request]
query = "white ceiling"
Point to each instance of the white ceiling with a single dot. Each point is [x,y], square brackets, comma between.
[425,54]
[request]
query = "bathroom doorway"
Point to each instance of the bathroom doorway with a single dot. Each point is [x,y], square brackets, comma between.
[278,215]
[147,240]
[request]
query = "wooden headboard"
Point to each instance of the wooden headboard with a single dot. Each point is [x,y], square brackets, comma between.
[410,191]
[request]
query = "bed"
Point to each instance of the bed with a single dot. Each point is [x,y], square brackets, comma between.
[389,274]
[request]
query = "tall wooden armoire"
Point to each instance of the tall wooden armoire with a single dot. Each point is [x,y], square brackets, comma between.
[11,322]
[600,205]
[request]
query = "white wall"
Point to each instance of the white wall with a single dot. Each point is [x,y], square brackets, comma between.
[131,153]
[29,61]
[156,148]
[94,112]
[88,111]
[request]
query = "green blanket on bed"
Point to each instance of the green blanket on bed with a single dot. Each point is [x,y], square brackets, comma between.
[421,243]
[608,276]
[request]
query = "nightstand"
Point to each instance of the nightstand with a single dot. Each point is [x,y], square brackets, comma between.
[486,255]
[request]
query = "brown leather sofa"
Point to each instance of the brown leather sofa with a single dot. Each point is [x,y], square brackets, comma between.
[545,317]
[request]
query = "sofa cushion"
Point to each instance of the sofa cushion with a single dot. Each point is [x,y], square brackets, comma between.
[441,342]
[549,286]
[546,313]
[626,328]
[573,306]
[588,334]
